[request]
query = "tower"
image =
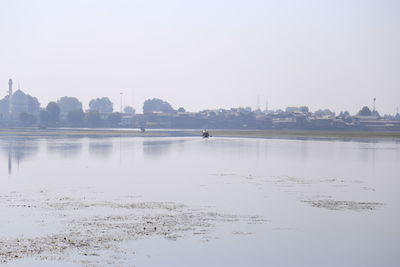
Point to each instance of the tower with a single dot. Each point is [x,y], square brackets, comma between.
[121,93]
[10,93]
[374,104]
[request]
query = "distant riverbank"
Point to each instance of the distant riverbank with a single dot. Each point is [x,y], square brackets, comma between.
[273,134]
[82,132]
[291,134]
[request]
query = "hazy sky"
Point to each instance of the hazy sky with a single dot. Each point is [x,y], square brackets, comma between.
[205,54]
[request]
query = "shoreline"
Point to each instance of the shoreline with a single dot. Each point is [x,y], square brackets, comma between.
[307,134]
[269,134]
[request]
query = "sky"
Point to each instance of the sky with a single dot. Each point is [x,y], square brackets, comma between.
[205,54]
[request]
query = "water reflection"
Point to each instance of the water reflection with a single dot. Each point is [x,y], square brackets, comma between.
[65,147]
[18,150]
[101,148]
[367,152]
[159,148]
[9,157]
[324,181]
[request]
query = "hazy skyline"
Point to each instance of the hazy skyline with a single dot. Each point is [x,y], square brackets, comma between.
[205,54]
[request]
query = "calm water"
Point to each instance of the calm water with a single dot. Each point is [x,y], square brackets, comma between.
[322,203]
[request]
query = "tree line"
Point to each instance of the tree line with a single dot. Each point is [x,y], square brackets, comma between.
[69,111]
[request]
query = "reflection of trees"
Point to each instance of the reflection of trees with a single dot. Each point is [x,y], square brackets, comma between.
[18,150]
[159,147]
[100,148]
[65,147]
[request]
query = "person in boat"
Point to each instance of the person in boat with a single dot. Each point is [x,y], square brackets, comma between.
[205,134]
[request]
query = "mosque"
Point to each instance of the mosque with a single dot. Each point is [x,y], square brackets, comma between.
[15,103]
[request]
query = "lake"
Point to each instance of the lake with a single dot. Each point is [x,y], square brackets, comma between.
[188,201]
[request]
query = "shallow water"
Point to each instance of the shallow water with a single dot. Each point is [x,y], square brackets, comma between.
[199,202]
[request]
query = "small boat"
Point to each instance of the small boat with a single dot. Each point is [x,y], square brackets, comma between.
[205,134]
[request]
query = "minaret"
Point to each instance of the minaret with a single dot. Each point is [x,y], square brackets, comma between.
[10,93]
[374,103]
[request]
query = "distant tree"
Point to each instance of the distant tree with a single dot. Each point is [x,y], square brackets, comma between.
[4,105]
[54,112]
[76,116]
[325,112]
[27,119]
[344,114]
[212,114]
[114,118]
[365,111]
[93,118]
[181,109]
[129,110]
[157,105]
[33,105]
[388,117]
[102,105]
[375,113]
[304,109]
[44,117]
[291,109]
[68,104]
[397,117]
